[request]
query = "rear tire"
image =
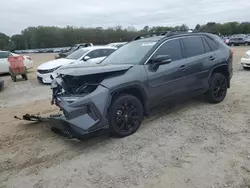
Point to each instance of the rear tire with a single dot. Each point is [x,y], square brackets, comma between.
[217,88]
[125,115]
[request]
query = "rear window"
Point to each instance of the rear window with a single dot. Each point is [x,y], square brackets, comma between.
[194,46]
[212,44]
[77,54]
[107,52]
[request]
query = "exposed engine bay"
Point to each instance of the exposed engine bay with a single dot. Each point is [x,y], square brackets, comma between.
[79,85]
[82,84]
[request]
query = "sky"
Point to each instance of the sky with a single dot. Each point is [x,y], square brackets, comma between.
[16,15]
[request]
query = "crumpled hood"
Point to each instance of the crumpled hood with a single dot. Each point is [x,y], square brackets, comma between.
[55,63]
[80,70]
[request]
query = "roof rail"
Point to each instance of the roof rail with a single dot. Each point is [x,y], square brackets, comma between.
[165,33]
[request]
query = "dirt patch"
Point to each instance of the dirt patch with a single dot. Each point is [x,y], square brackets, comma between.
[195,144]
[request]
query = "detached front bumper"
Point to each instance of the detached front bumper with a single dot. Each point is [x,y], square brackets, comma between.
[84,115]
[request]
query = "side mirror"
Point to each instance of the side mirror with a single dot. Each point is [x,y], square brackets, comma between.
[161,59]
[86,58]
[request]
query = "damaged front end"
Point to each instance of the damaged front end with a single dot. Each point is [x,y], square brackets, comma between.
[82,98]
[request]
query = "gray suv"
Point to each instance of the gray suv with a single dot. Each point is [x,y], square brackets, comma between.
[151,70]
[238,40]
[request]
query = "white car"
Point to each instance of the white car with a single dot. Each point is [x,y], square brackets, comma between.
[117,44]
[245,60]
[88,55]
[4,64]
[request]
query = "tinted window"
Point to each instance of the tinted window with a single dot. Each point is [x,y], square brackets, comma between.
[4,55]
[213,45]
[107,52]
[95,54]
[171,48]
[194,46]
[77,54]
[207,47]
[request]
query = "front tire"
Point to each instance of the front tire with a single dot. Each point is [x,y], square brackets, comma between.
[217,88]
[125,115]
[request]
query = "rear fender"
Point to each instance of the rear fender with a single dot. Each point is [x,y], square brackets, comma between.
[222,68]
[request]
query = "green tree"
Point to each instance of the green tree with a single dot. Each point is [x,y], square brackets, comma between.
[4,41]
[46,37]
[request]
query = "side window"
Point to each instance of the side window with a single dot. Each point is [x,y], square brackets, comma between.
[95,54]
[213,45]
[171,48]
[194,46]
[207,47]
[107,52]
[4,55]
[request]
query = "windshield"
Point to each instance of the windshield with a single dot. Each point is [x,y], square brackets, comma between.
[77,54]
[131,53]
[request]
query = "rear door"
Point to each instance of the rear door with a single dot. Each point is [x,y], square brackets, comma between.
[198,60]
[95,56]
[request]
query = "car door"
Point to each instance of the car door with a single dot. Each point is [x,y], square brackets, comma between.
[197,59]
[168,80]
[4,64]
[95,56]
[198,62]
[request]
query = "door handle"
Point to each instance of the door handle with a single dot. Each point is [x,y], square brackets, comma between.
[211,58]
[183,67]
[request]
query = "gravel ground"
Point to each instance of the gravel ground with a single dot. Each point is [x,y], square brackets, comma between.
[194,144]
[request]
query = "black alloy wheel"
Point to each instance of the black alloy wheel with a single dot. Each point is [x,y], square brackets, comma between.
[126,115]
[218,88]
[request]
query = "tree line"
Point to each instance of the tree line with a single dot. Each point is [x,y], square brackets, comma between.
[49,37]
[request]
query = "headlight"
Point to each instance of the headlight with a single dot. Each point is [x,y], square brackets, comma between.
[246,56]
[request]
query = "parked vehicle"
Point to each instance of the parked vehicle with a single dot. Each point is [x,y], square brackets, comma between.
[88,55]
[4,64]
[239,40]
[1,84]
[117,93]
[65,53]
[245,60]
[117,44]
[226,40]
